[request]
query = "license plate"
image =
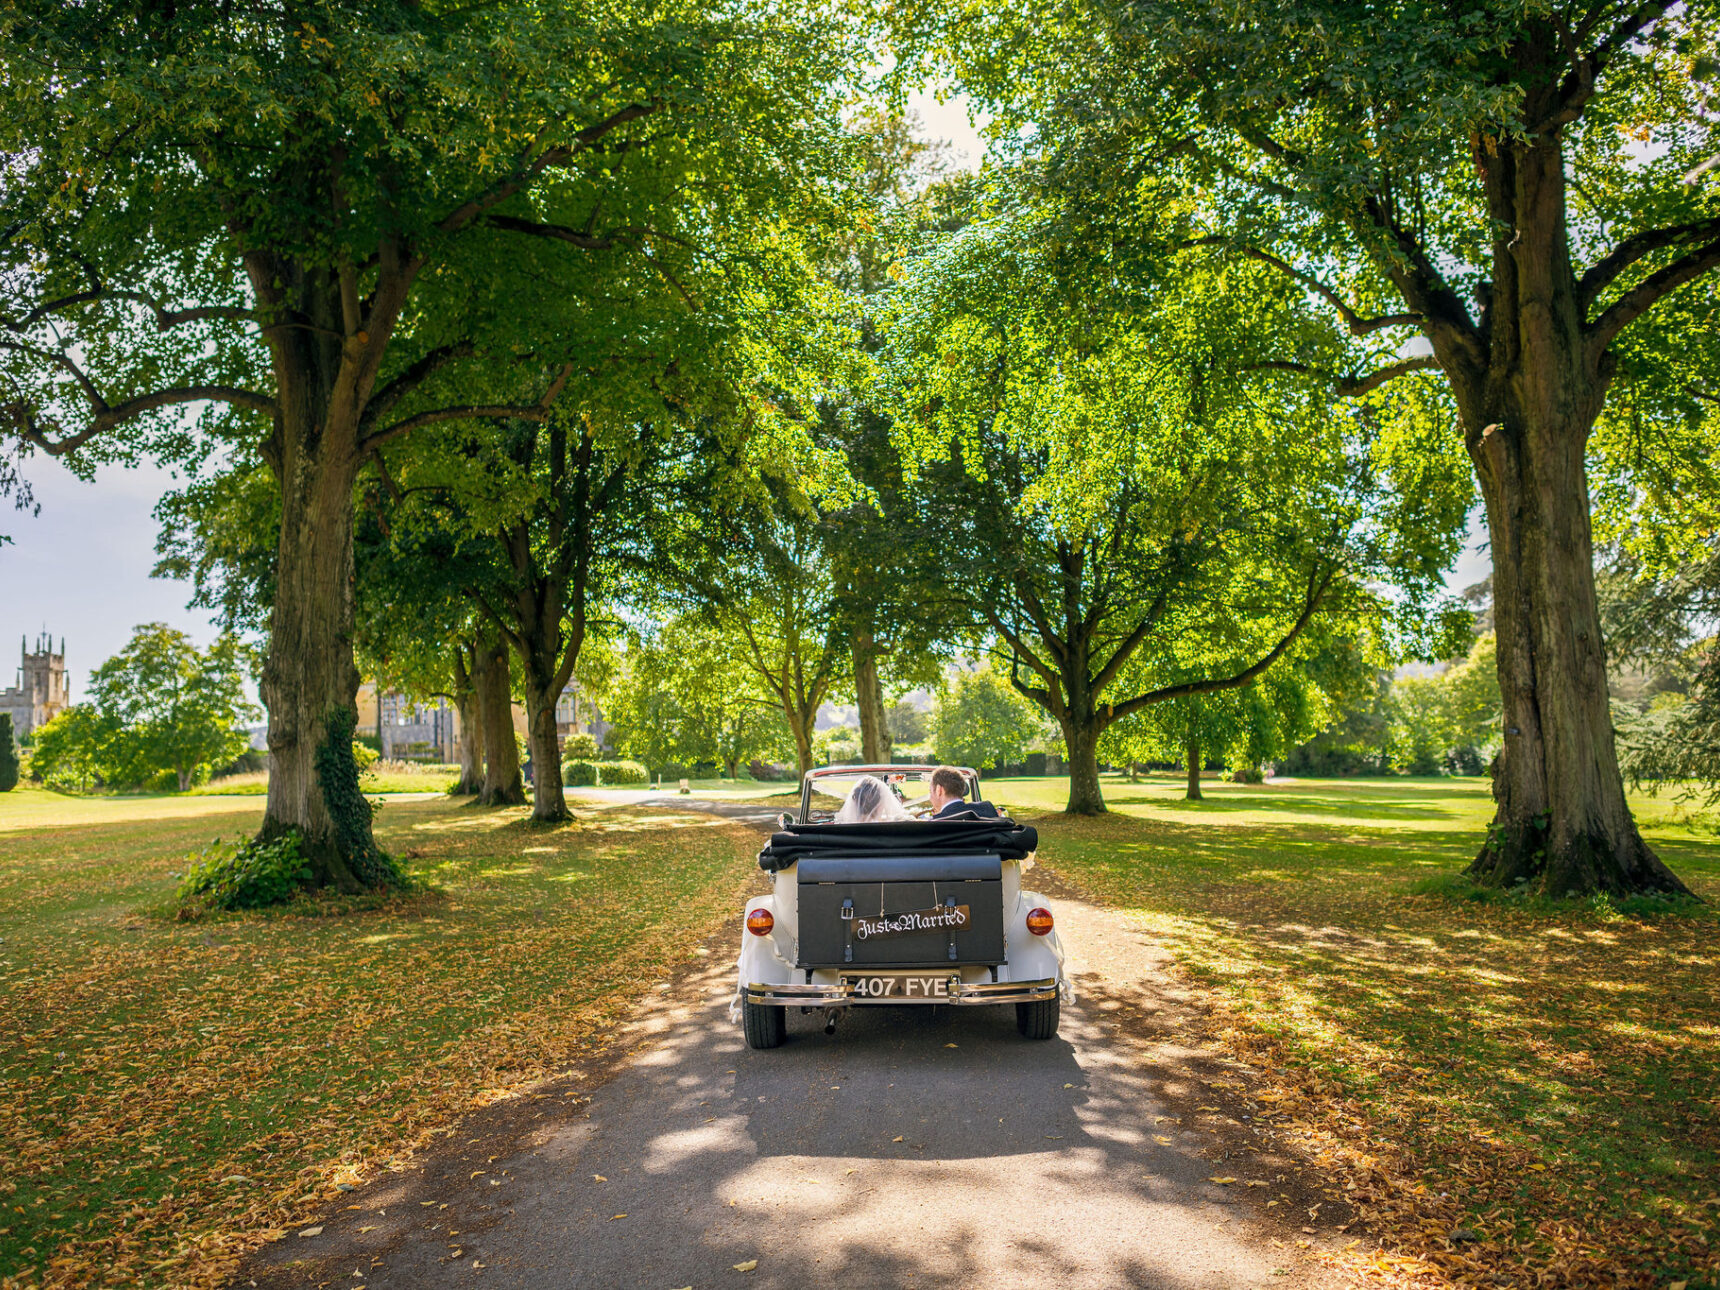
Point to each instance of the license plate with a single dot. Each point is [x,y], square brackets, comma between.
[899,987]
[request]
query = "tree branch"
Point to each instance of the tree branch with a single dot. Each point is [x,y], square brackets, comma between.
[557,232]
[548,159]
[1637,301]
[1349,387]
[384,399]
[1632,249]
[105,416]
[1316,593]
[538,411]
[1121,655]
[1358,325]
[165,318]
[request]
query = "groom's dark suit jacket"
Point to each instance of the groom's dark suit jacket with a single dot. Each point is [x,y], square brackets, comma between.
[984,810]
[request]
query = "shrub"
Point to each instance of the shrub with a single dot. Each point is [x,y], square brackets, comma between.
[253,761]
[767,772]
[364,756]
[8,755]
[581,747]
[251,875]
[625,772]
[578,774]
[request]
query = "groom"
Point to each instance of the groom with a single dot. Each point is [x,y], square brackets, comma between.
[947,793]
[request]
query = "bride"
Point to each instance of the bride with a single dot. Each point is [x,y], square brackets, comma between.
[870,802]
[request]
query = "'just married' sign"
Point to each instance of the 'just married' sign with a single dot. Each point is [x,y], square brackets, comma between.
[939,918]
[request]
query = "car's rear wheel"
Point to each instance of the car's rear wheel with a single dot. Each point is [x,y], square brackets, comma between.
[766,1026]
[1038,1020]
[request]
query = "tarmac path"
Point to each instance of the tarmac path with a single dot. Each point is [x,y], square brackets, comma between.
[915,1147]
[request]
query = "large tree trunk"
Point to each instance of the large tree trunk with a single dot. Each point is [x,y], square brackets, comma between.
[549,801]
[801,724]
[869,698]
[471,781]
[1191,760]
[1562,820]
[309,681]
[1081,742]
[502,785]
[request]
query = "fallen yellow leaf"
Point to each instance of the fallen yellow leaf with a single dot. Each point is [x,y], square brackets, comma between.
[748,1266]
[1161,1140]
[1222,1182]
[599,1178]
[311,1231]
[613,1217]
[897,1138]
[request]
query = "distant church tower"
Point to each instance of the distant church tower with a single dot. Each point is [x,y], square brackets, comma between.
[41,694]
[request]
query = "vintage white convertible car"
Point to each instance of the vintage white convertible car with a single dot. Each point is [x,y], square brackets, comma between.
[914,912]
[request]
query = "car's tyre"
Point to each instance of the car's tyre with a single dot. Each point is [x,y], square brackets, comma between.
[1038,1020]
[766,1026]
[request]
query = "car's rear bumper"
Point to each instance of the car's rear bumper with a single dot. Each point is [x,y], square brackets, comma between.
[960,993]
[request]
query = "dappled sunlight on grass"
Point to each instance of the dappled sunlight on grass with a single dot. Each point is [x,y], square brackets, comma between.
[143,1061]
[1579,1043]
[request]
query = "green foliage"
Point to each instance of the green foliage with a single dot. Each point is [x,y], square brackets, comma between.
[1677,740]
[364,756]
[837,745]
[8,754]
[580,772]
[162,707]
[347,806]
[250,875]
[1243,727]
[686,694]
[581,746]
[1448,723]
[908,724]
[1139,496]
[981,721]
[71,752]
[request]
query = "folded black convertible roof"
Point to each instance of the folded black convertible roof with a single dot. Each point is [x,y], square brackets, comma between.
[971,836]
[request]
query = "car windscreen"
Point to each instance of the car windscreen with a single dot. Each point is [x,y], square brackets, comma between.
[829,792]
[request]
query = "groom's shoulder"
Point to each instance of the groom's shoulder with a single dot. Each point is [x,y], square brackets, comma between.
[956,810]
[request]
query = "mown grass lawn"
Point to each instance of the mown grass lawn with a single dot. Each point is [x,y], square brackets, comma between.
[1546,1078]
[171,1091]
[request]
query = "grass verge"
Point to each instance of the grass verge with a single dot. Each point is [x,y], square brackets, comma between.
[1540,1079]
[173,1094]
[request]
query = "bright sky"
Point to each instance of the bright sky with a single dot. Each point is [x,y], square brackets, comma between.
[951,122]
[81,569]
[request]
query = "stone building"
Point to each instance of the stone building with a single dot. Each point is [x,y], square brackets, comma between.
[41,693]
[409,729]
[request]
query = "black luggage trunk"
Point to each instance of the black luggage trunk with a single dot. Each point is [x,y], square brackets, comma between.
[850,908]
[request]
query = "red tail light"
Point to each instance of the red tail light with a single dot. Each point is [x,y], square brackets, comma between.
[1039,921]
[759,922]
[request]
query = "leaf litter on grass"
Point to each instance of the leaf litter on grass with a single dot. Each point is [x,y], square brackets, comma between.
[171,1095]
[1501,1091]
